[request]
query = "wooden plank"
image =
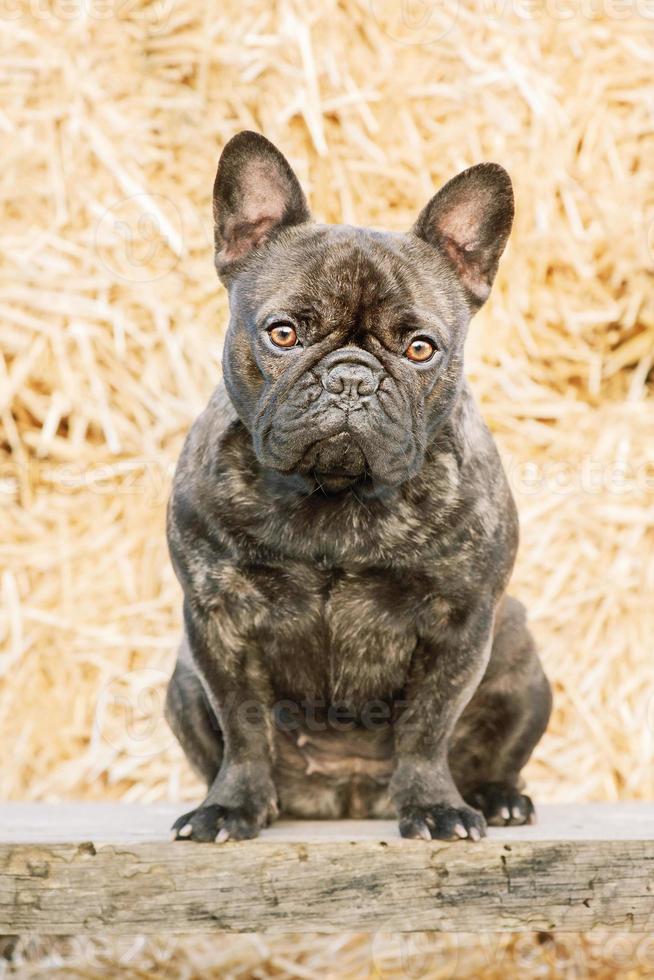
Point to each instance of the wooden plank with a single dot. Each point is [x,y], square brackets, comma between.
[90,868]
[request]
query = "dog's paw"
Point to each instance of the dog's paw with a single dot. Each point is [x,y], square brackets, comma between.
[442,822]
[502,804]
[216,823]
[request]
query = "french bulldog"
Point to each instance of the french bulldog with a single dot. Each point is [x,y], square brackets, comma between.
[343,530]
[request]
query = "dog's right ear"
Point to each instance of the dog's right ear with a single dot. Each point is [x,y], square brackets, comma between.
[255,194]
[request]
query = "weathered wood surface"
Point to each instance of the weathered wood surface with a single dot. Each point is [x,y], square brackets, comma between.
[90,868]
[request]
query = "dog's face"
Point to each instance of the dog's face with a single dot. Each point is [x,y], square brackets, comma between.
[344,350]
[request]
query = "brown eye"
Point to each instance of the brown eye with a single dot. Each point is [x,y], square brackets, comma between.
[283,335]
[420,350]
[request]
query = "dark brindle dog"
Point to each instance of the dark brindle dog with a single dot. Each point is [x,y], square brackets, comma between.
[342,527]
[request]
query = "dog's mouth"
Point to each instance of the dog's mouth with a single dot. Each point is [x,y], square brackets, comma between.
[337,482]
[336,463]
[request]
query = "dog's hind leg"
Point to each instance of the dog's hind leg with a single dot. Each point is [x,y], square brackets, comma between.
[502,723]
[191,718]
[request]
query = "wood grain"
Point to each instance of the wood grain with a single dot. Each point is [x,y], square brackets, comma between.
[89,868]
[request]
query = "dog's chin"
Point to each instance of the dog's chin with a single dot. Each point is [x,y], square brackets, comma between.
[334,465]
[337,465]
[334,483]
[363,486]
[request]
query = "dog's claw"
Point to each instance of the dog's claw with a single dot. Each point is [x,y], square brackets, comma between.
[214,823]
[442,822]
[502,805]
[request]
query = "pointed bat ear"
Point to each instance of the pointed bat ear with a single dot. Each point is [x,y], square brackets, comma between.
[469,221]
[255,194]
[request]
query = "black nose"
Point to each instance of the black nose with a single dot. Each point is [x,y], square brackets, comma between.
[351,380]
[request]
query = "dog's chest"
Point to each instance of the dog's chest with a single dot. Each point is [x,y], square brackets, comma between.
[346,636]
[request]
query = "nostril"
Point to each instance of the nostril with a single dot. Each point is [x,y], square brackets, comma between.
[368,385]
[334,382]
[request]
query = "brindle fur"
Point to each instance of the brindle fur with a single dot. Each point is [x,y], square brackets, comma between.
[343,529]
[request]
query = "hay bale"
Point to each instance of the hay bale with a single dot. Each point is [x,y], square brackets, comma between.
[112,119]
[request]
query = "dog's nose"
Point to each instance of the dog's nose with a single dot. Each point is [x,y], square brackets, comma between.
[351,380]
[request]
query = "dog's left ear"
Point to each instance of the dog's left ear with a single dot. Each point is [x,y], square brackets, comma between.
[255,194]
[469,221]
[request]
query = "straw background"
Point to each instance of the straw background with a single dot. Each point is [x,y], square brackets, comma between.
[112,116]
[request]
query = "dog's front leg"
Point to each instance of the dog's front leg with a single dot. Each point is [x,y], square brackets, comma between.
[242,797]
[444,674]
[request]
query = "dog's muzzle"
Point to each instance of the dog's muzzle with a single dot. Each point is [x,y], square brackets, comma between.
[350,378]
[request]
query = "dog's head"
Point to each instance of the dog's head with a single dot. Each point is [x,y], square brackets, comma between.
[343,355]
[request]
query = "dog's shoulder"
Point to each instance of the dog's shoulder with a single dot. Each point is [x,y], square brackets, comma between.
[207,435]
[216,435]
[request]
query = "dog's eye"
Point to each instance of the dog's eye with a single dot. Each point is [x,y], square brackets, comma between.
[283,335]
[420,350]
